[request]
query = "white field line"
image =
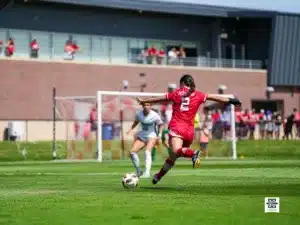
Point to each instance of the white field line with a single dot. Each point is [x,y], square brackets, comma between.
[181,160]
[244,172]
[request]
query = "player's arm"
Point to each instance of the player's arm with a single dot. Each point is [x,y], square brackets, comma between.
[152,100]
[134,124]
[223,99]
[160,124]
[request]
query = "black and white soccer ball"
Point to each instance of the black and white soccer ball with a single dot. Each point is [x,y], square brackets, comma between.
[130,180]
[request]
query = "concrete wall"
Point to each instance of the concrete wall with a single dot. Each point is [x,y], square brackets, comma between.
[26,86]
[40,130]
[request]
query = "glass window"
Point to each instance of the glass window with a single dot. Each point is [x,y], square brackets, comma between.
[21,39]
[136,47]
[119,50]
[101,49]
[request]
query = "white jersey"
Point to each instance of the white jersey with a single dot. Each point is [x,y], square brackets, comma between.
[148,124]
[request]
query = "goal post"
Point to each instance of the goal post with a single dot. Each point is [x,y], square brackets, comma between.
[100,95]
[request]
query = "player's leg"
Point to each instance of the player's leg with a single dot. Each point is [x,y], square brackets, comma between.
[174,143]
[137,145]
[148,158]
[165,141]
[203,149]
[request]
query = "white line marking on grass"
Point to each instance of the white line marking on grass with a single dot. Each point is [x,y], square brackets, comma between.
[231,172]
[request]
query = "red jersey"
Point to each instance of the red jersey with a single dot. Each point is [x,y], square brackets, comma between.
[184,111]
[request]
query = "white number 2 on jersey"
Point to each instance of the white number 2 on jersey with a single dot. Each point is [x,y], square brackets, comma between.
[185,104]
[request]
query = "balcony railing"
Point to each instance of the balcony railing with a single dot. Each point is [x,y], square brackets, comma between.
[108,50]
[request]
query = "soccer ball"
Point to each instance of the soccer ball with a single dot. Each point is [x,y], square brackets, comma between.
[130,180]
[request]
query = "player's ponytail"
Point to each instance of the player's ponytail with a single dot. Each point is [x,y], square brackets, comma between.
[188,81]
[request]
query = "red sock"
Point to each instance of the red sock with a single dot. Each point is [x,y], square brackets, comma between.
[185,152]
[169,163]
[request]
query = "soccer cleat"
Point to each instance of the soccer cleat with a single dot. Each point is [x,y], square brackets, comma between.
[196,160]
[155,179]
[145,175]
[139,172]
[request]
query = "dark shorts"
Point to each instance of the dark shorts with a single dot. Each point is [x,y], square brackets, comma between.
[94,127]
[251,128]
[203,146]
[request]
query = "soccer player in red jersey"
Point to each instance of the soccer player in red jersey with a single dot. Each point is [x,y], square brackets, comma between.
[186,101]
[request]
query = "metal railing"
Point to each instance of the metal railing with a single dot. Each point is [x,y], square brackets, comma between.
[107,50]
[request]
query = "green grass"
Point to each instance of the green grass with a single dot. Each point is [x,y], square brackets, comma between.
[219,193]
[253,149]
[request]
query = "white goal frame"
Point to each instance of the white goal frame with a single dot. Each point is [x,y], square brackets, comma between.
[145,94]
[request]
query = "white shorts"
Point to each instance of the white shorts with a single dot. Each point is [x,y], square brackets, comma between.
[146,136]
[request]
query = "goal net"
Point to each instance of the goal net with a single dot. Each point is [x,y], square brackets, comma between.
[95,127]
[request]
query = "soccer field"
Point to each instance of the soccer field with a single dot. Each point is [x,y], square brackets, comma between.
[221,192]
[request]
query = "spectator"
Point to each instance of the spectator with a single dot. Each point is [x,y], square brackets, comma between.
[151,54]
[238,122]
[10,48]
[181,55]
[244,124]
[288,126]
[204,139]
[277,123]
[70,49]
[252,119]
[226,122]
[262,124]
[34,49]
[217,124]
[160,56]
[1,46]
[269,127]
[172,56]
[297,122]
[142,57]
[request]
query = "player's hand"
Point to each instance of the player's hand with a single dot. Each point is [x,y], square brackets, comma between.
[235,101]
[129,132]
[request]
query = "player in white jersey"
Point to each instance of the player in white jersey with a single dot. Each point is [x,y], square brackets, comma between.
[146,137]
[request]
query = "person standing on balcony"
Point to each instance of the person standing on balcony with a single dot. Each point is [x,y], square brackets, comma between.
[70,49]
[181,55]
[1,46]
[160,56]
[10,48]
[152,53]
[172,56]
[34,49]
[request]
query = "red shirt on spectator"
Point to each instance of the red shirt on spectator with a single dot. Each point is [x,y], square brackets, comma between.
[260,116]
[152,51]
[75,47]
[161,53]
[215,117]
[10,47]
[252,119]
[34,45]
[237,116]
[69,48]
